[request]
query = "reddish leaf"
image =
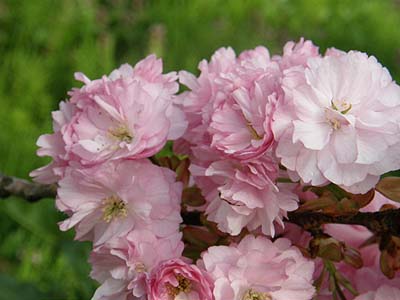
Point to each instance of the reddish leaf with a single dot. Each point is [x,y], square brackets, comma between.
[322,203]
[386,263]
[353,257]
[390,257]
[390,188]
[199,236]
[363,199]
[192,196]
[182,171]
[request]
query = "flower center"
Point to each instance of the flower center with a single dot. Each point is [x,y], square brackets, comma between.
[341,106]
[140,267]
[335,124]
[333,118]
[122,133]
[184,286]
[254,295]
[113,207]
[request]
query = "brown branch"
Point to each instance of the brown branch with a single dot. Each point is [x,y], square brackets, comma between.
[387,221]
[191,218]
[30,191]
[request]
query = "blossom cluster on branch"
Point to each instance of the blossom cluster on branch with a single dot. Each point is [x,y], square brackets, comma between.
[257,139]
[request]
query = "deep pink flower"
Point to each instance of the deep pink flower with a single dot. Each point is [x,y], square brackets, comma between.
[177,280]
[339,121]
[258,268]
[129,114]
[123,265]
[111,199]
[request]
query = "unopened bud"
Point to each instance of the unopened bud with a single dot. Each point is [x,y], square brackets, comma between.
[353,257]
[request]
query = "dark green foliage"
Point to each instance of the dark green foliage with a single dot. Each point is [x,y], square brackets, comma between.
[43,42]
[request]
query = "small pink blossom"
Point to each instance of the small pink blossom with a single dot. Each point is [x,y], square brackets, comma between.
[243,195]
[198,102]
[176,280]
[123,265]
[129,114]
[339,121]
[241,127]
[258,268]
[296,54]
[53,145]
[111,199]
[230,105]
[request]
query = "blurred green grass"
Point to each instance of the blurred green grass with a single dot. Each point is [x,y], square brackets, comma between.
[43,42]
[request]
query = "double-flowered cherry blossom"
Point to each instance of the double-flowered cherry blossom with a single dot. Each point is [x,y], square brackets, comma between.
[123,265]
[339,121]
[177,280]
[296,54]
[129,114]
[230,105]
[258,268]
[243,195]
[111,199]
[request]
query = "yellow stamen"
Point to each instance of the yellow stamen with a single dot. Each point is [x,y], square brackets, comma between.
[184,286]
[341,106]
[253,132]
[335,124]
[140,267]
[113,207]
[121,133]
[331,118]
[254,295]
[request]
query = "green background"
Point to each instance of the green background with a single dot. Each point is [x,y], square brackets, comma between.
[43,42]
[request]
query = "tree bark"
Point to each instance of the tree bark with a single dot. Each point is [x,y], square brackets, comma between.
[381,222]
[30,191]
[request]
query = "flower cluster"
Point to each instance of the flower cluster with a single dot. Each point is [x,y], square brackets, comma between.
[114,196]
[265,136]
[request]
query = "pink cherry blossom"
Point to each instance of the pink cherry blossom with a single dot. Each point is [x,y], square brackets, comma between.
[296,54]
[53,145]
[198,102]
[245,195]
[177,280]
[258,268]
[230,105]
[339,121]
[111,199]
[241,127]
[122,265]
[129,114]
